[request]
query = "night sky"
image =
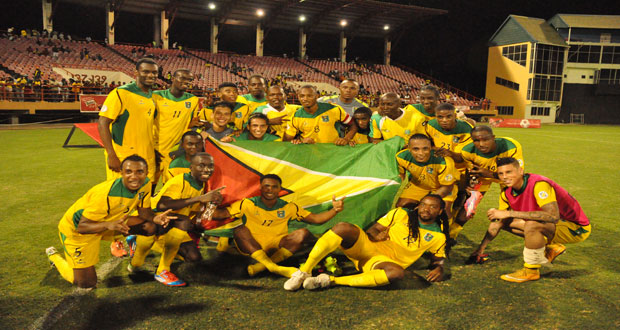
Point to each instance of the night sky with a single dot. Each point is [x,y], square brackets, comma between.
[451,47]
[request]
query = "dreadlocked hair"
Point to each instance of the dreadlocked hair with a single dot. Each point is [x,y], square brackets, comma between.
[414,223]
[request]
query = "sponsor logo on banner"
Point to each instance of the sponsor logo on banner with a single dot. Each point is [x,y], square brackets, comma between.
[92,103]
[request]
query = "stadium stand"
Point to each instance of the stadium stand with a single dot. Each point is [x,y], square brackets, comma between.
[21,56]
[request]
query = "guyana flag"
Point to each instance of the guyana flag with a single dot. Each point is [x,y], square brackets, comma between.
[367,175]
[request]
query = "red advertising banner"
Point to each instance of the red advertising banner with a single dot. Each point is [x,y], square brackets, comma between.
[510,122]
[91,102]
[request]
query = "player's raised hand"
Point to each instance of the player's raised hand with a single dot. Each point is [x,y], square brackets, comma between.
[194,122]
[163,219]
[277,120]
[338,205]
[213,196]
[119,225]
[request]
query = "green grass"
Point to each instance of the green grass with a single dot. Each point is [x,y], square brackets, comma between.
[580,291]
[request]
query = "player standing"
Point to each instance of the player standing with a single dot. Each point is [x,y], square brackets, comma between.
[316,122]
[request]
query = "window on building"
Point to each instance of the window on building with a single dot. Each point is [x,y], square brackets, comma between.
[505,110]
[611,55]
[544,88]
[584,54]
[609,76]
[540,111]
[516,53]
[507,83]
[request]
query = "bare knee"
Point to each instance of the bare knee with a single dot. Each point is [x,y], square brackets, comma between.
[532,227]
[394,273]
[343,229]
[190,252]
[85,277]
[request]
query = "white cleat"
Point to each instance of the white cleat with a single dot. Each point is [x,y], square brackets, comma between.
[296,280]
[319,282]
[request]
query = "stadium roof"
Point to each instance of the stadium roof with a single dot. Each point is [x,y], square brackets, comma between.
[585,21]
[516,29]
[364,17]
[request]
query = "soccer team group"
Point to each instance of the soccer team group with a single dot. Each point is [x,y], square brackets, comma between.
[448,162]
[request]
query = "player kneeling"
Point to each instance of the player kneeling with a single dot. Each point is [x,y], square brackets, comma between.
[183,195]
[101,212]
[385,250]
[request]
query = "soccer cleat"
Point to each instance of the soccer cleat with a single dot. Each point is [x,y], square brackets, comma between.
[117,249]
[51,251]
[296,280]
[331,265]
[318,282]
[552,251]
[131,244]
[522,275]
[134,269]
[169,279]
[472,203]
[477,259]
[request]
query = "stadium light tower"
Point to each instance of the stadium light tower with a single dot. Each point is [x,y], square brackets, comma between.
[260,13]
[211,6]
[343,22]
[302,18]
[386,27]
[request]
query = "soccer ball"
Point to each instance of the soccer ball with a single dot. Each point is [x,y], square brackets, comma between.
[525,123]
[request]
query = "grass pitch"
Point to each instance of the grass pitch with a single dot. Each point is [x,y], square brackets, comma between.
[581,290]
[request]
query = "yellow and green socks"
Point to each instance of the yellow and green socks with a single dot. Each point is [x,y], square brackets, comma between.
[262,258]
[373,278]
[326,244]
[280,255]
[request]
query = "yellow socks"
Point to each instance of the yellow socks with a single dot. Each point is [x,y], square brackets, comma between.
[63,267]
[280,255]
[375,277]
[143,246]
[262,257]
[455,230]
[326,244]
[172,241]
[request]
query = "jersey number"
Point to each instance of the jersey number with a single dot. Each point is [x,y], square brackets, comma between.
[316,129]
[267,222]
[176,114]
[445,145]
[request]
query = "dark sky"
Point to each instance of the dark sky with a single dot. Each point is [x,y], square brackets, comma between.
[450,47]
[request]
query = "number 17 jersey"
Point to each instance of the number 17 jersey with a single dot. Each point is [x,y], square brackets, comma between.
[263,220]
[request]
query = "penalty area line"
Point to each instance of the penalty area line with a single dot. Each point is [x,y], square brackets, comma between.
[67,303]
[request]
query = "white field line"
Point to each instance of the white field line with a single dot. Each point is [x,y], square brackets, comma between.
[66,304]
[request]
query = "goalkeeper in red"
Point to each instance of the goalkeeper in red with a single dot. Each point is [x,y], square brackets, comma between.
[539,210]
[385,250]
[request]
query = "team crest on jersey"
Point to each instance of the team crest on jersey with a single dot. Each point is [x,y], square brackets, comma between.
[280,214]
[428,237]
[455,139]
[188,105]
[429,170]
[543,194]
[238,114]
[325,119]
[449,177]
[141,195]
[407,132]
[104,108]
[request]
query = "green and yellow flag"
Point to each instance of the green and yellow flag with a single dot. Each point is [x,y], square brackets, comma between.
[311,174]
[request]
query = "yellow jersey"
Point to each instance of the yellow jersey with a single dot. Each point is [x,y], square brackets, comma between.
[181,187]
[238,117]
[177,166]
[252,102]
[271,112]
[264,221]
[322,126]
[504,147]
[173,118]
[107,201]
[434,173]
[132,112]
[406,251]
[453,140]
[407,124]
